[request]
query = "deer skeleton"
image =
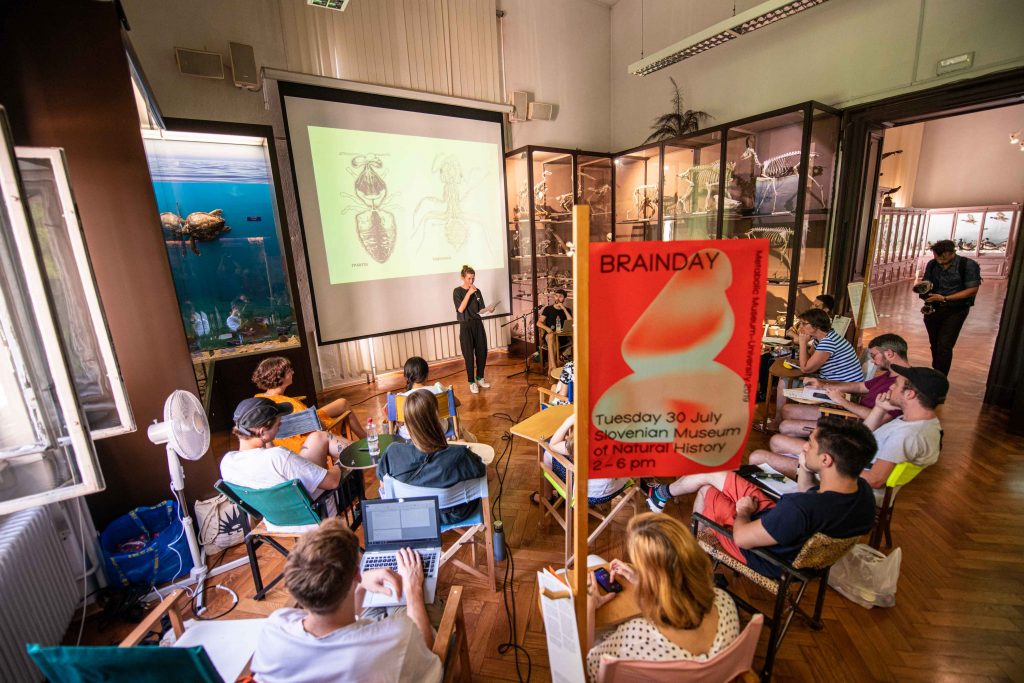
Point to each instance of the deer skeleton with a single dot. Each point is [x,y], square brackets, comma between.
[704,178]
[780,166]
[778,240]
[644,201]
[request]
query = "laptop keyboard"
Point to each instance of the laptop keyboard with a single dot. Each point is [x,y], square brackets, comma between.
[429,560]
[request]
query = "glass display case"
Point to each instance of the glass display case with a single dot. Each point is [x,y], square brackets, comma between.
[637,194]
[219,219]
[543,185]
[764,177]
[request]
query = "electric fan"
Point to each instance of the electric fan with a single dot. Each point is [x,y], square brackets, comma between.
[186,433]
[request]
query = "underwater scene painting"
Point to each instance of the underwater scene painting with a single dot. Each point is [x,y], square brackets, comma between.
[218,218]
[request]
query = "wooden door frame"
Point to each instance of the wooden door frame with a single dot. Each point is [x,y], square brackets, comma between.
[852,226]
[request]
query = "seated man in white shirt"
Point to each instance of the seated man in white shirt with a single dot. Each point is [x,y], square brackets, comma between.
[259,464]
[327,641]
[916,435]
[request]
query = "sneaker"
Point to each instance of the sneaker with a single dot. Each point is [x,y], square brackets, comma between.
[473,388]
[484,383]
[657,495]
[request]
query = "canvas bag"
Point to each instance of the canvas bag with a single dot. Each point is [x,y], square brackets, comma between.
[221,524]
[867,577]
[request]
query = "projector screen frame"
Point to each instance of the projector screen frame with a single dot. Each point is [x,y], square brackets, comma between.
[419,106]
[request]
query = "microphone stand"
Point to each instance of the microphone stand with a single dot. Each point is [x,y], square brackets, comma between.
[526,366]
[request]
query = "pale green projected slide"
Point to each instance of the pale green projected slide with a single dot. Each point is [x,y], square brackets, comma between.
[403,205]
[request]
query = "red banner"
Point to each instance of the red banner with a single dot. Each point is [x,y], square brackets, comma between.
[675,340]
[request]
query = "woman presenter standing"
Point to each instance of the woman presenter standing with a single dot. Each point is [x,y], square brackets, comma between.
[469,304]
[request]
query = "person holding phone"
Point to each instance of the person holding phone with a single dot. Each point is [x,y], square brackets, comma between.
[469,304]
[683,615]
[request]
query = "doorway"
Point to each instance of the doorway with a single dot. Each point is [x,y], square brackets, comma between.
[901,188]
[955,178]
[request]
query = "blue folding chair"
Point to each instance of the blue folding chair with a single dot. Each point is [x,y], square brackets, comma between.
[445,408]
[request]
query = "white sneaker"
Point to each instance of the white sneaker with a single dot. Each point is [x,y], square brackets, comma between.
[484,383]
[473,388]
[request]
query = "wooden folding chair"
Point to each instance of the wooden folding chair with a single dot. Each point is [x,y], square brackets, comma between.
[558,478]
[812,563]
[286,504]
[731,664]
[445,408]
[901,475]
[474,532]
[211,650]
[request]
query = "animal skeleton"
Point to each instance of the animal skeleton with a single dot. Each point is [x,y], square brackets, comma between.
[778,240]
[704,178]
[779,166]
[644,197]
[564,202]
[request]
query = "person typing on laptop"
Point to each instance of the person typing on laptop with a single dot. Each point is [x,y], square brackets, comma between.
[325,639]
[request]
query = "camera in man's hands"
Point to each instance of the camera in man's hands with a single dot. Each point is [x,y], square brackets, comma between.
[923,290]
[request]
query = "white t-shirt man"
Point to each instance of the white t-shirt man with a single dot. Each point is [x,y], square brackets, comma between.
[261,468]
[390,650]
[900,441]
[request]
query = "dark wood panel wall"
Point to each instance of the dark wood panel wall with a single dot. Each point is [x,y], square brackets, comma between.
[65,82]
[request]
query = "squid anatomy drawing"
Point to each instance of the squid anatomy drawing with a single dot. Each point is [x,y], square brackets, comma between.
[445,217]
[375,224]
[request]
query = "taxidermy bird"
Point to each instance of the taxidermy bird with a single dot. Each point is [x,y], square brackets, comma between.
[678,121]
[887,195]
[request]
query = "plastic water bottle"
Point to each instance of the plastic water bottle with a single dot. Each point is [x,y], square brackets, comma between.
[372,441]
[558,324]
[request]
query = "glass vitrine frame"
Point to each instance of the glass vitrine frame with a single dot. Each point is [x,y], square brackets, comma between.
[540,225]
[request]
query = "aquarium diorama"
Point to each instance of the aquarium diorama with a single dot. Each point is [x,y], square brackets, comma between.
[216,200]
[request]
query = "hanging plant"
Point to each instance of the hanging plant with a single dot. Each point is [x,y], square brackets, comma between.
[678,121]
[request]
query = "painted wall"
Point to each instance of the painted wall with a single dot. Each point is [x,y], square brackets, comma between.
[559,51]
[968,161]
[840,53]
[158,27]
[66,84]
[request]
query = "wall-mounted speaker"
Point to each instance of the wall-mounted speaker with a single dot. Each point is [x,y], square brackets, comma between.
[542,111]
[243,66]
[520,105]
[199,63]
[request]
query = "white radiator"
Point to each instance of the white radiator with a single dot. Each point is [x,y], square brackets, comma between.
[38,591]
[351,361]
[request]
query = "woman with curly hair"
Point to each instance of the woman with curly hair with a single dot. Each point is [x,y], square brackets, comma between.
[274,375]
[683,615]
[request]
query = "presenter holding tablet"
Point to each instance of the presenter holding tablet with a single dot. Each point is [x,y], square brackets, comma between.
[469,304]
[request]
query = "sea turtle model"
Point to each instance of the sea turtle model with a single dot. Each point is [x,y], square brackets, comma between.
[203,227]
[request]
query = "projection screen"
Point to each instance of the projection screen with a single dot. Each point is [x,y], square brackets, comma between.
[395,195]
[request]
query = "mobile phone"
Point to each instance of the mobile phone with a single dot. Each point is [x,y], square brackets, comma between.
[604,580]
[820,394]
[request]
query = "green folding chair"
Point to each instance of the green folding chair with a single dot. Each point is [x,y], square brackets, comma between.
[209,650]
[286,504]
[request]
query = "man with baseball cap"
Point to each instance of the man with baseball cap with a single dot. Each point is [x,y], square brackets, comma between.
[916,435]
[259,464]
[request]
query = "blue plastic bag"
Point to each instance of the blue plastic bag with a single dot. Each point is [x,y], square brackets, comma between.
[164,555]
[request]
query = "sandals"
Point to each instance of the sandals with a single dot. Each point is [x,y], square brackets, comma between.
[535,498]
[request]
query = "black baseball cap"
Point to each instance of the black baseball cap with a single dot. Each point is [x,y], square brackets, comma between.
[928,381]
[256,412]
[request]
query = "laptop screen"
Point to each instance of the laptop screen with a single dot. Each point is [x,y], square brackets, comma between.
[400,522]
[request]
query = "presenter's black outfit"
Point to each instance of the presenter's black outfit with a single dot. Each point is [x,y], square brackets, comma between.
[471,333]
[944,324]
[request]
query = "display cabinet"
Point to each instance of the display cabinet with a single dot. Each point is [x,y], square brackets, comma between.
[764,177]
[543,185]
[637,194]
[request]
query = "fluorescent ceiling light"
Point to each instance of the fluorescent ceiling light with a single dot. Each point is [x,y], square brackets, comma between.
[745,22]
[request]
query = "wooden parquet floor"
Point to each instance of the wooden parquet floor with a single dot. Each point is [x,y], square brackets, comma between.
[959,613]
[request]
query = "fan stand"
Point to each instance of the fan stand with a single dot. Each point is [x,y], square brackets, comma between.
[199,571]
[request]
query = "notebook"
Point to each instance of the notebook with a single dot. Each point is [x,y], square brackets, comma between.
[302,422]
[398,523]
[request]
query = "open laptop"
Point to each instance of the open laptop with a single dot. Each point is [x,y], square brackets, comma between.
[401,523]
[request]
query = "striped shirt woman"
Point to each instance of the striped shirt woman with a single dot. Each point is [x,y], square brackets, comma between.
[833,358]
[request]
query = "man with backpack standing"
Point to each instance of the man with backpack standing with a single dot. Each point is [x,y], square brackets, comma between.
[955,282]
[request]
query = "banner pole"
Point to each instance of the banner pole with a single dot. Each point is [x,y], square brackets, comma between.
[581,403]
